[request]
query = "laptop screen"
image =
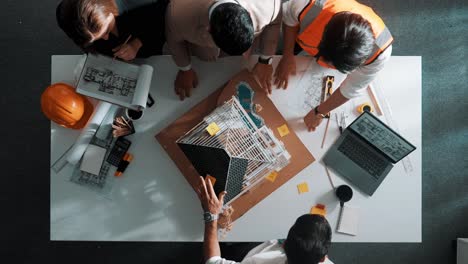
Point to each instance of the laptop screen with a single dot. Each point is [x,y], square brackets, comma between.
[381,137]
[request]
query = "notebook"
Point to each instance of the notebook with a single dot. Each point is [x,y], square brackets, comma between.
[348,220]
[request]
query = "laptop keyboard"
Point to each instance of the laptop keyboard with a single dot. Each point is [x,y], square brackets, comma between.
[362,156]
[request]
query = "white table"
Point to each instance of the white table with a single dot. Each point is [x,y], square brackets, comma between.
[153,201]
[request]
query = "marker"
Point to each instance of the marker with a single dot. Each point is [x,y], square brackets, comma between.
[123,164]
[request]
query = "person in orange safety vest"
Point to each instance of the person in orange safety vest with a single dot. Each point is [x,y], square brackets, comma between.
[341,34]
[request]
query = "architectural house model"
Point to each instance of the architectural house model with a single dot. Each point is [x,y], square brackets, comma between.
[240,152]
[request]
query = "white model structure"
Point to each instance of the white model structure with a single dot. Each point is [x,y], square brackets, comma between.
[238,155]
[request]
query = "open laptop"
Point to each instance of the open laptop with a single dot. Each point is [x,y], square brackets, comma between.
[366,151]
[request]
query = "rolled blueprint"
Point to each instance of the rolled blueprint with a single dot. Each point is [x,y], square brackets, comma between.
[88,132]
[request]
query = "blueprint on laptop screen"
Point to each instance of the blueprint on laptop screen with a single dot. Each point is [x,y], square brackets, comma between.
[383,138]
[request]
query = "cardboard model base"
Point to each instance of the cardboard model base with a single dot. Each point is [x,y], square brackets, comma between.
[300,156]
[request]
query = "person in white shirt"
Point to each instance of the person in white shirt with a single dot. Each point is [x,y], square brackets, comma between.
[308,239]
[209,28]
[340,34]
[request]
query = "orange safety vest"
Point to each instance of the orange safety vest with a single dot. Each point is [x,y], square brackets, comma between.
[316,15]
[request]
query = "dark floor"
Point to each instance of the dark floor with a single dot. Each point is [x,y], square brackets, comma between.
[435,30]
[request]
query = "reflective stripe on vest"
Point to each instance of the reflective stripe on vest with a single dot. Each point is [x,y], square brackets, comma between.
[311,13]
[383,40]
[309,38]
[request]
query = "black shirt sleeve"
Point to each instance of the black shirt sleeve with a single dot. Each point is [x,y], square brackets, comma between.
[128,5]
[147,24]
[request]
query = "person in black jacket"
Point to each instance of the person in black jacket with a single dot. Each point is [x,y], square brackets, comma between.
[128,5]
[98,26]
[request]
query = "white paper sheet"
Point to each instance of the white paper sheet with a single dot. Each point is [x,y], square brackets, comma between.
[143,86]
[348,220]
[92,159]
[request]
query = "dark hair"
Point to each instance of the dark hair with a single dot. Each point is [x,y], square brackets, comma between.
[347,41]
[308,240]
[231,28]
[80,19]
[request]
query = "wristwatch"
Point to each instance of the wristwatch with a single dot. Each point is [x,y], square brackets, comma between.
[267,61]
[318,113]
[209,217]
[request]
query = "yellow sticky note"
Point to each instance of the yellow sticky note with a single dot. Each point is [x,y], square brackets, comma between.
[319,209]
[303,187]
[212,179]
[212,129]
[272,176]
[283,130]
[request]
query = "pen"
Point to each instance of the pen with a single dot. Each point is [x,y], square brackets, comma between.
[338,123]
[340,127]
[126,41]
[342,121]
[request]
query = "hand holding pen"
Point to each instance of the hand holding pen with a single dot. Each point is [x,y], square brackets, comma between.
[128,50]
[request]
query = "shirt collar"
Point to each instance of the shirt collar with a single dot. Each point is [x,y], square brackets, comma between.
[218,3]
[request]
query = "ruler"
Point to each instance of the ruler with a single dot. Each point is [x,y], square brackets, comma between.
[382,103]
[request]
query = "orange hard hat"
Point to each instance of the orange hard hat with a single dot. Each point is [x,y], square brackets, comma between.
[61,104]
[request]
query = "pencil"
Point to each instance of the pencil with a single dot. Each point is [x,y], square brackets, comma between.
[374,100]
[123,118]
[126,41]
[329,177]
[122,124]
[325,134]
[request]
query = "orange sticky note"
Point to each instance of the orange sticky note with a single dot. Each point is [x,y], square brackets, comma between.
[211,179]
[283,130]
[303,188]
[212,129]
[319,209]
[272,176]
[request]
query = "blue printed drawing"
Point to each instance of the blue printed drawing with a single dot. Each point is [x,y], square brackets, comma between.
[245,95]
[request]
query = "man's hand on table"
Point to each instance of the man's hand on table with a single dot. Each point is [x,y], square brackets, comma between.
[212,205]
[206,194]
[285,68]
[184,82]
[263,73]
[312,120]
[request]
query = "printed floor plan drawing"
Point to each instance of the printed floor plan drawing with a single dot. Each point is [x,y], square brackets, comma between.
[111,83]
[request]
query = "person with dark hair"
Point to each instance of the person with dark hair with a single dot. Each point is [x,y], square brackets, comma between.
[341,34]
[231,28]
[307,242]
[101,26]
[205,28]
